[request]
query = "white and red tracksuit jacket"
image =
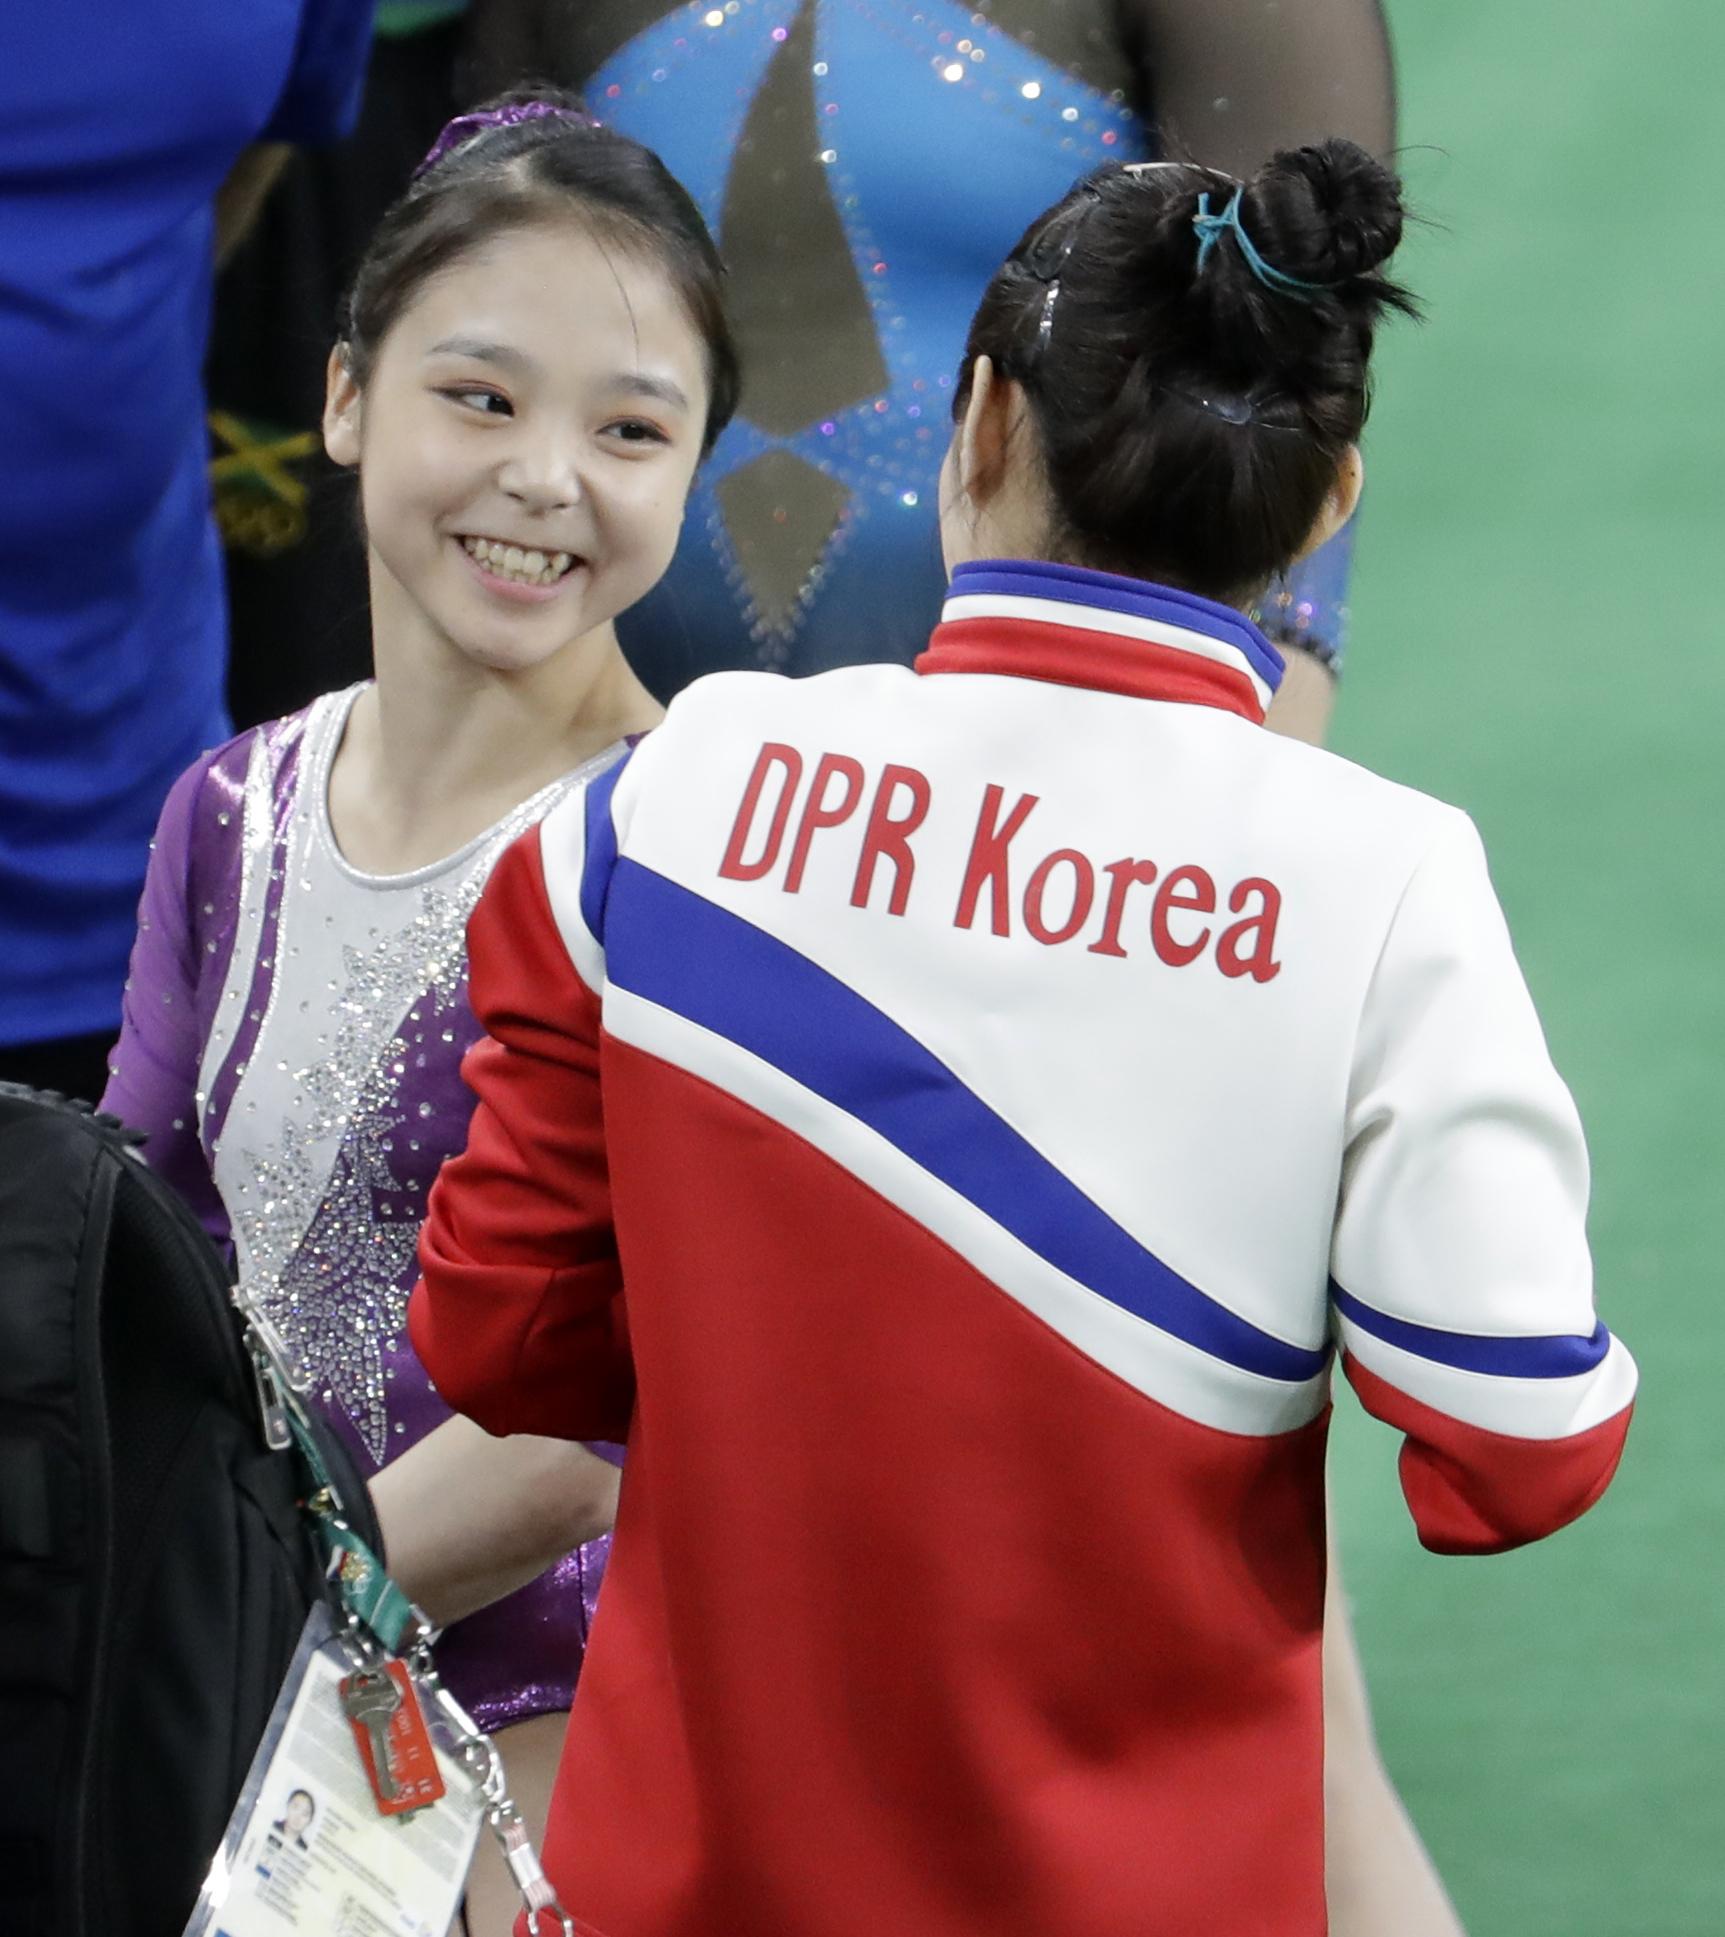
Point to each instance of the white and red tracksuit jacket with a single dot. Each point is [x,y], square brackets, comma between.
[997,1085]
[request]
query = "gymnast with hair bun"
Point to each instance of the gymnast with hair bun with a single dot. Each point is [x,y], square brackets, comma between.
[992,1084]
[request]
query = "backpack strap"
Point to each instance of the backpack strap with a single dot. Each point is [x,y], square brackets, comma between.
[57,1190]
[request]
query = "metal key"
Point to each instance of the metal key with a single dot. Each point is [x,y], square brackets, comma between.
[371,1700]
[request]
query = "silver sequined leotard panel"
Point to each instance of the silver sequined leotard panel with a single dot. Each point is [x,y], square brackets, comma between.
[327,1014]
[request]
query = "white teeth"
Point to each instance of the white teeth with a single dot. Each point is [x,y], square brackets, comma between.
[523,567]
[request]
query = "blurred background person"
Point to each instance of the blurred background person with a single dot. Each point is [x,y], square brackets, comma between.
[130,135]
[867,166]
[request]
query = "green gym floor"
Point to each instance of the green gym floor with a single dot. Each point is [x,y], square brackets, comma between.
[1536,636]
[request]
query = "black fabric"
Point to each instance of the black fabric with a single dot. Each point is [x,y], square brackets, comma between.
[73,1065]
[155,1562]
[298,603]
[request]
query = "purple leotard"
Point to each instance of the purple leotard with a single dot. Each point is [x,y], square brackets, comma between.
[291,1045]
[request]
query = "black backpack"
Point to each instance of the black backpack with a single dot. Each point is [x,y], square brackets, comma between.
[156,1561]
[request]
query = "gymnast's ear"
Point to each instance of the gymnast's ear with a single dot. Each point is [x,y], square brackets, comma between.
[994,415]
[993,491]
[342,405]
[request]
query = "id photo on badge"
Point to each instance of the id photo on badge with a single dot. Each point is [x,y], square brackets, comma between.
[294,1823]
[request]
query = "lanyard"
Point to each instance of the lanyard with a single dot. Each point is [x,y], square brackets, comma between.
[381,1622]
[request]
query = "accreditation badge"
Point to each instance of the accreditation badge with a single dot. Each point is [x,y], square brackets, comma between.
[343,1828]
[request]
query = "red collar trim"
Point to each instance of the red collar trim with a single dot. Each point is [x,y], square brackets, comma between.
[1064,656]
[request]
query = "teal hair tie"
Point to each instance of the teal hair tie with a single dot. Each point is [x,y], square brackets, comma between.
[1210,230]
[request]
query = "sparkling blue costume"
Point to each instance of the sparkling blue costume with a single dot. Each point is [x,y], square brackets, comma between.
[866,165]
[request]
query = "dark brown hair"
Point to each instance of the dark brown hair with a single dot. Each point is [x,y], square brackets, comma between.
[1192,419]
[546,169]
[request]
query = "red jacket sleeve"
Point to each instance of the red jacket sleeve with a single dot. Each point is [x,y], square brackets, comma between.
[517,1315]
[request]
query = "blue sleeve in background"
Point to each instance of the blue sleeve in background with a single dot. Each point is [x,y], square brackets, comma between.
[1309,608]
[321,99]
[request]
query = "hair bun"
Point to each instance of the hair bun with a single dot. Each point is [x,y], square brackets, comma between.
[1355,204]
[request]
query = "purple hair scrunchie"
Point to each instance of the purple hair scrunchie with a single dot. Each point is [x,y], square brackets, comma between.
[465,126]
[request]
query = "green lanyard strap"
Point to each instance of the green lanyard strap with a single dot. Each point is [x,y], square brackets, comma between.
[366,1590]
[367,1593]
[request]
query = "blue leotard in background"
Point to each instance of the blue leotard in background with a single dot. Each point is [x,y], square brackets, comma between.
[909,142]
